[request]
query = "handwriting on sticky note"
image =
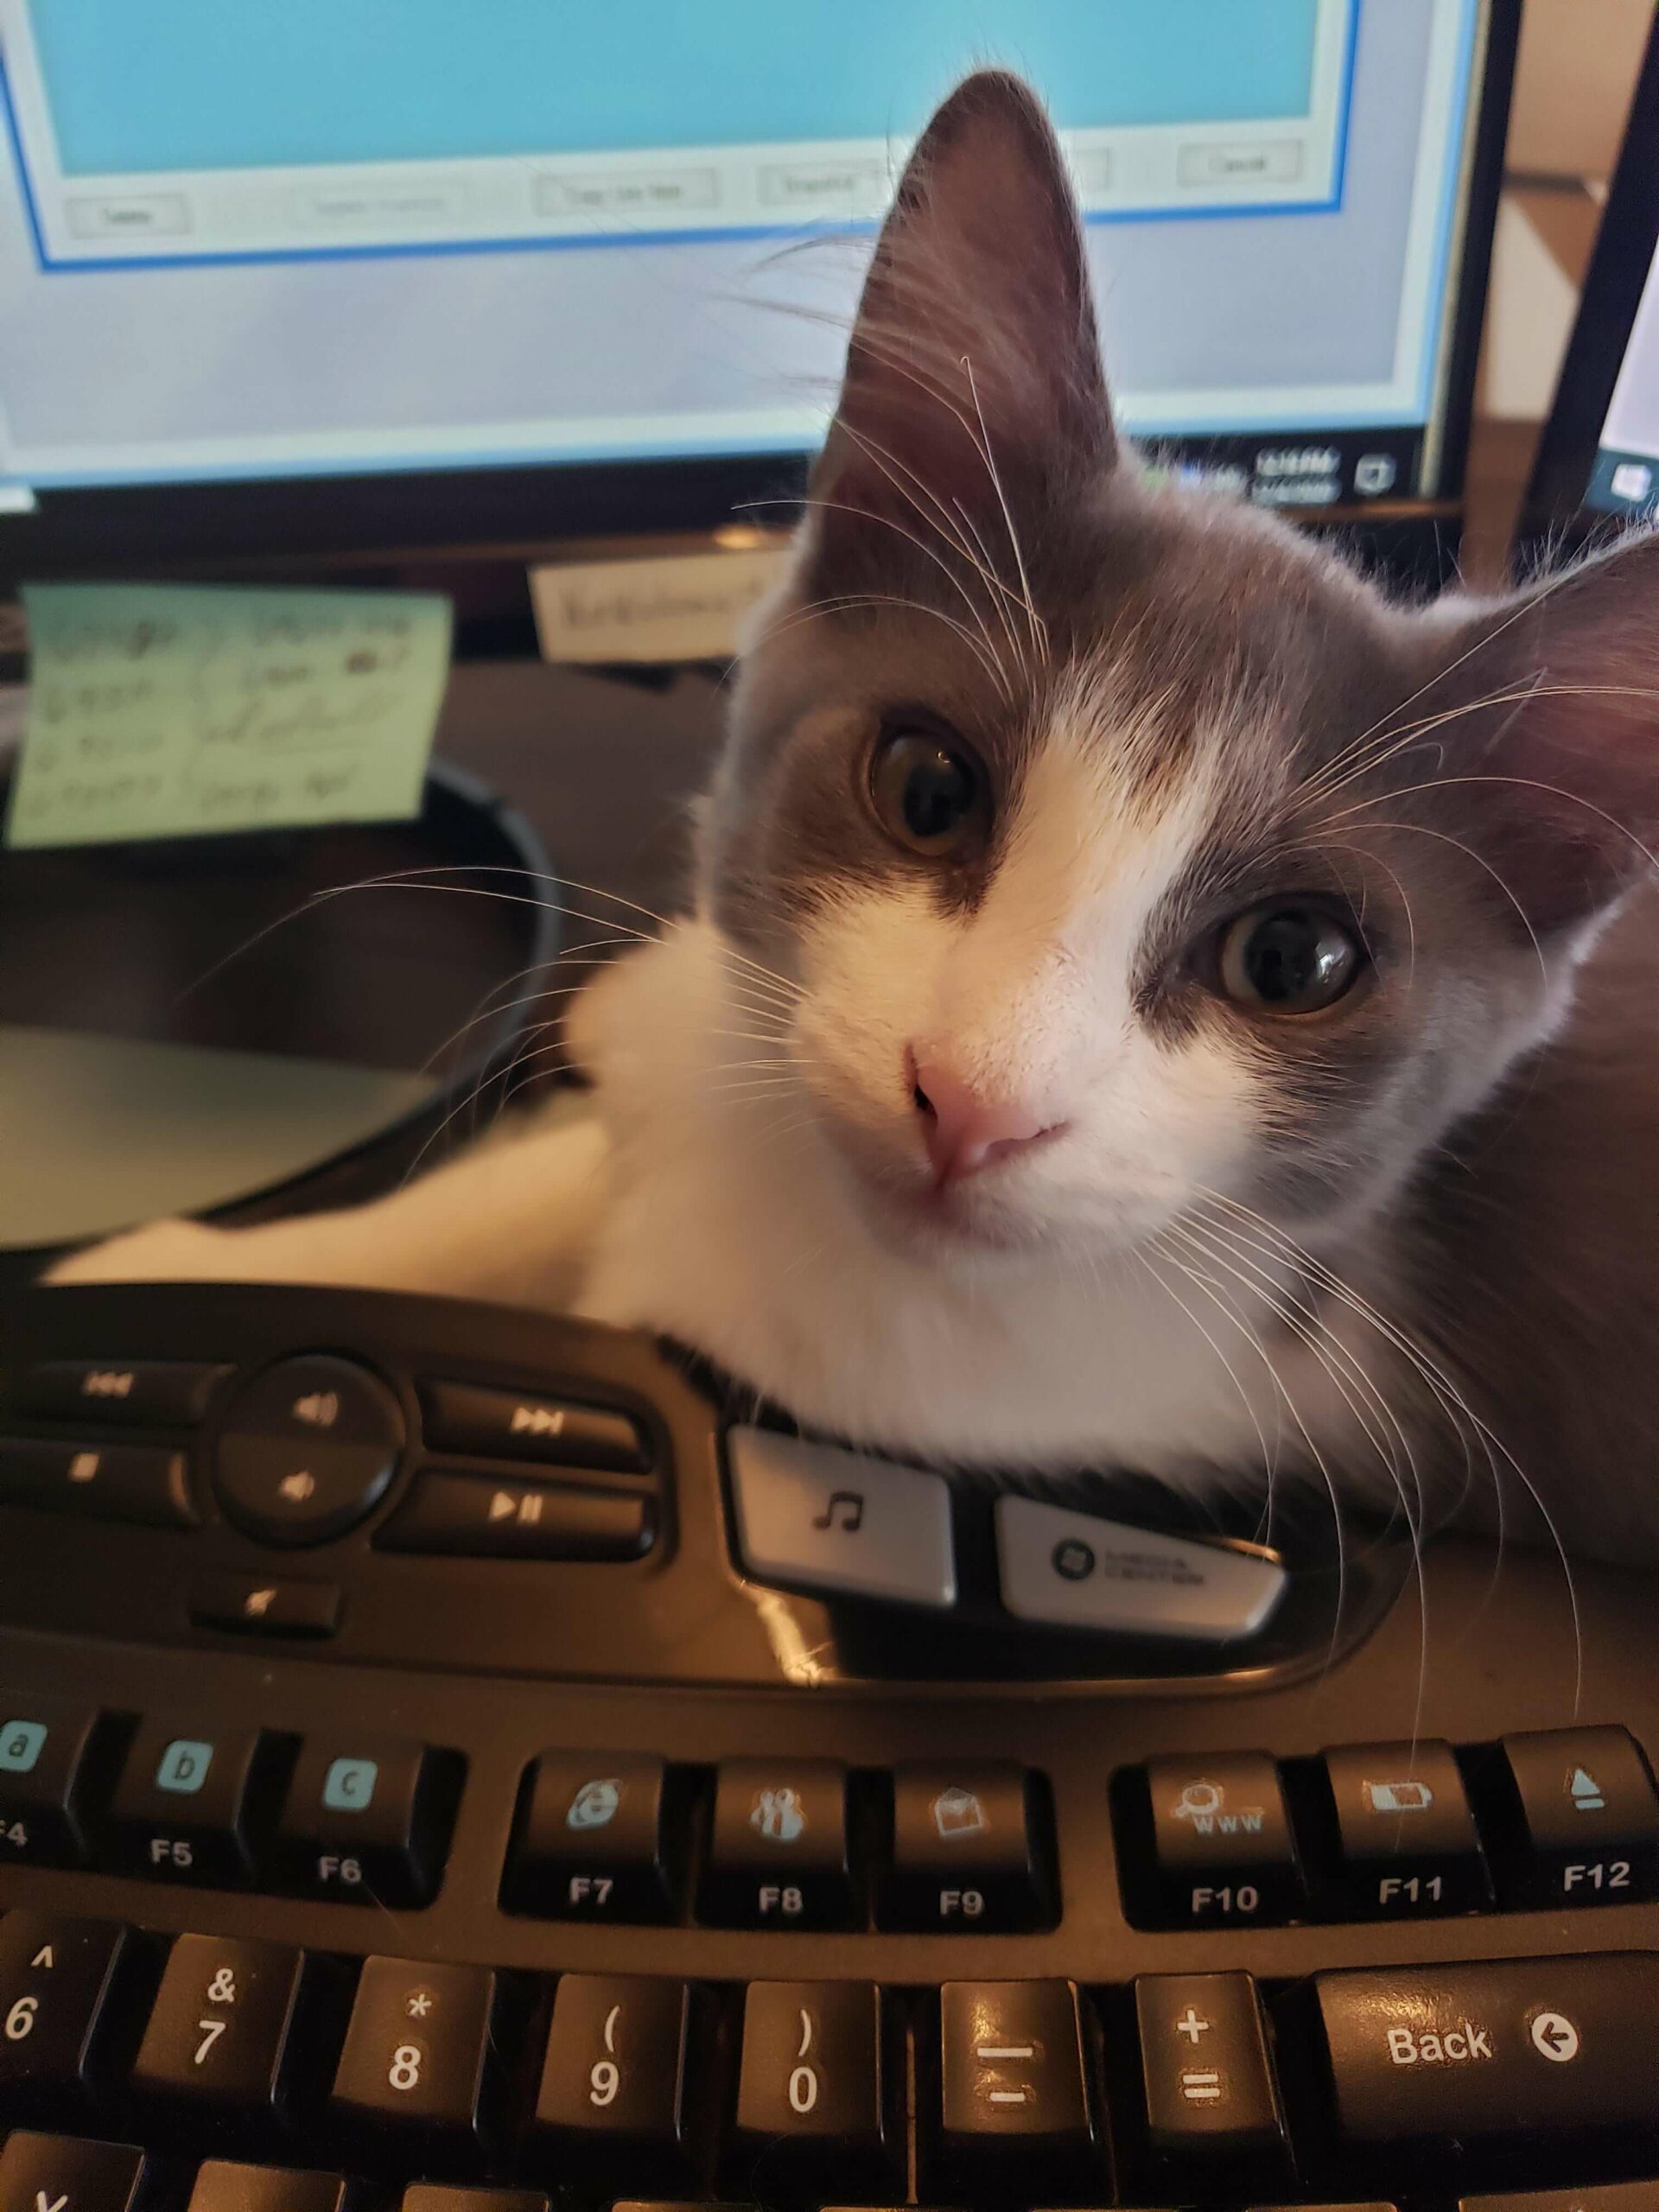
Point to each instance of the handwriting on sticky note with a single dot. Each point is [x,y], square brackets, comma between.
[172,710]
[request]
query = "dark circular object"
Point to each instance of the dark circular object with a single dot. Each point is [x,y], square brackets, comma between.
[411,947]
[1293,957]
[1074,1561]
[930,791]
[307,1450]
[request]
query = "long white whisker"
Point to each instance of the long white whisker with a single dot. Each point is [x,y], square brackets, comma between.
[1039,628]
[1327,1348]
[1208,1287]
[1446,1391]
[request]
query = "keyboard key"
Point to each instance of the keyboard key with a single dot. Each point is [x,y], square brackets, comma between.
[965,1854]
[1613,2196]
[1222,1839]
[1207,2084]
[1063,1569]
[55,1975]
[222,2186]
[504,1425]
[824,1519]
[447,2196]
[219,2029]
[143,1483]
[59,2173]
[307,1450]
[809,2096]
[179,1805]
[778,1856]
[1590,1815]
[1408,1843]
[128,1393]
[1014,2095]
[485,1517]
[252,1604]
[364,1820]
[612,2100]
[43,1748]
[1520,2047]
[589,1842]
[415,2046]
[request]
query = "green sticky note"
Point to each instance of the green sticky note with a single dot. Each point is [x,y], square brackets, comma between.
[176,711]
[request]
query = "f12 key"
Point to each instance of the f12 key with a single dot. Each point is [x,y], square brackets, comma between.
[1591,1817]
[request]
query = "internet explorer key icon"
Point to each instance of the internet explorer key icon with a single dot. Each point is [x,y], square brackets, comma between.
[595,1805]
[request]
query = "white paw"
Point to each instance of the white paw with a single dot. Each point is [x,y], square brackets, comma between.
[164,1251]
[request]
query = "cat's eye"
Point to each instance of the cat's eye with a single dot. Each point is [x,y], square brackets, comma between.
[929,790]
[1291,955]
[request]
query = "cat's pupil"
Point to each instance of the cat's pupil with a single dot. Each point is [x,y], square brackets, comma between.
[938,792]
[929,793]
[1296,956]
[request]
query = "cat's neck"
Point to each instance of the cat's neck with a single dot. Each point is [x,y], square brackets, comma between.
[732,1227]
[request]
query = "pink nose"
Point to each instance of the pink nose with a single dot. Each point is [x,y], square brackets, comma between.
[963,1132]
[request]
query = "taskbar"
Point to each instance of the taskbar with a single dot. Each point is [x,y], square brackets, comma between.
[1301,469]
[1624,483]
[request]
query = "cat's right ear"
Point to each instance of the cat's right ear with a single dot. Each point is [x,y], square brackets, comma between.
[1542,735]
[974,384]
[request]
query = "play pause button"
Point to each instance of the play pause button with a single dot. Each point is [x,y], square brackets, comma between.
[484,1517]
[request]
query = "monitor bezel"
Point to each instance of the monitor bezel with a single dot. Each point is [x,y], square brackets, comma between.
[1553,516]
[432,525]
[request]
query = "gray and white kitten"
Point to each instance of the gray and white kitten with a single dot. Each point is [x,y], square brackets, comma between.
[1150,1001]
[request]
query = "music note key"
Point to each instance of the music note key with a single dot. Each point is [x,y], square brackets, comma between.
[845,1510]
[811,1518]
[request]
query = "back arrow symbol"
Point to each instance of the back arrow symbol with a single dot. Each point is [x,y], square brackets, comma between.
[1555,2036]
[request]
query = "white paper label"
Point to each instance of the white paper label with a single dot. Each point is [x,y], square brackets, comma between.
[679,607]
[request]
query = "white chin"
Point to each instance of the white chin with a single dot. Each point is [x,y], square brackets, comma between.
[916,1217]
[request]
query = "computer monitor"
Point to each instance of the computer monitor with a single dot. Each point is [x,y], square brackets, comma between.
[1598,461]
[381,273]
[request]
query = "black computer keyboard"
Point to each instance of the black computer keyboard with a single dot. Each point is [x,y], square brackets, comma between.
[448,1759]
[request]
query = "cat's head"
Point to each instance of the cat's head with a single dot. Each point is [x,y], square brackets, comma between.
[1128,852]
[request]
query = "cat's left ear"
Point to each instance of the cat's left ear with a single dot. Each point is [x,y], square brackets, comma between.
[974,373]
[1542,735]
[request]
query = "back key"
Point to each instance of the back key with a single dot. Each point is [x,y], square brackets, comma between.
[1522,2046]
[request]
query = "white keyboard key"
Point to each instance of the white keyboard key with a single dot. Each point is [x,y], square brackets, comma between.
[1074,1570]
[823,1519]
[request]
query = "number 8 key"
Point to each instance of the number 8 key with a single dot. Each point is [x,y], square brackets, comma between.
[416,2047]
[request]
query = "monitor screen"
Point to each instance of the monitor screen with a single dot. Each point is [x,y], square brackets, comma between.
[342,237]
[1624,478]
